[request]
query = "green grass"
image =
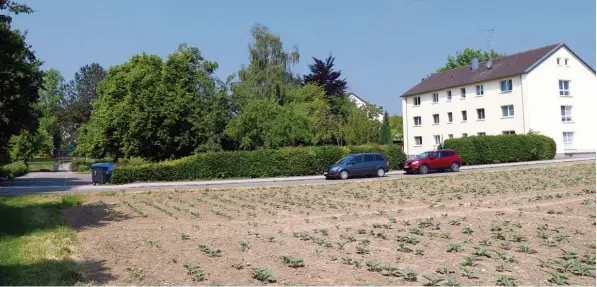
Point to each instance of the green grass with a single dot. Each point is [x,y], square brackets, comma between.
[36,246]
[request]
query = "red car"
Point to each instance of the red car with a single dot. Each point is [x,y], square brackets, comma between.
[446,159]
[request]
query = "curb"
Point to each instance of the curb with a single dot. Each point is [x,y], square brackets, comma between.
[175,184]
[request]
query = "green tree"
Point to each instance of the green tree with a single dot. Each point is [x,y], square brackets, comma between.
[27,145]
[385,136]
[465,58]
[396,127]
[322,74]
[20,79]
[53,91]
[361,125]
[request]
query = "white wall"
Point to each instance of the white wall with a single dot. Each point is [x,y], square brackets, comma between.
[491,100]
[543,101]
[359,103]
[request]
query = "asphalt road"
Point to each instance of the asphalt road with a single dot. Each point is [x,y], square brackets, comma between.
[72,182]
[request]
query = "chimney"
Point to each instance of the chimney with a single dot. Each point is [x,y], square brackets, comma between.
[475,64]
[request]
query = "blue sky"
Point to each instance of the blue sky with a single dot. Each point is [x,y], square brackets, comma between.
[382,47]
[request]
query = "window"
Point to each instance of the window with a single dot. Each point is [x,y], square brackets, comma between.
[481,114]
[508,111]
[566,62]
[358,159]
[450,136]
[449,96]
[369,158]
[435,97]
[479,90]
[463,93]
[508,133]
[464,135]
[506,86]
[445,153]
[417,121]
[378,157]
[437,139]
[481,134]
[568,137]
[564,88]
[450,117]
[418,141]
[566,113]
[464,116]
[436,118]
[558,61]
[417,101]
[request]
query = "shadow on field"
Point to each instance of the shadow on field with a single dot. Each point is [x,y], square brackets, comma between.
[54,273]
[92,215]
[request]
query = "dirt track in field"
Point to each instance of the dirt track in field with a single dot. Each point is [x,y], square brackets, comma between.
[146,238]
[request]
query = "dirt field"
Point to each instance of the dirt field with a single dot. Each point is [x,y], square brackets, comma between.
[528,227]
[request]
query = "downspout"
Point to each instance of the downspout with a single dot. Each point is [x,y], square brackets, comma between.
[524,129]
[405,121]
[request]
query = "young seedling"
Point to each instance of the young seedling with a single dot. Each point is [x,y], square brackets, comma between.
[470,273]
[450,282]
[432,280]
[481,251]
[374,266]
[469,260]
[518,237]
[137,273]
[362,250]
[498,235]
[264,275]
[408,239]
[467,230]
[557,278]
[195,271]
[526,249]
[505,280]
[408,275]
[582,270]
[568,254]
[455,247]
[417,231]
[445,269]
[362,231]
[485,242]
[293,262]
[185,236]
[244,246]
[403,248]
[213,252]
[589,258]
[381,212]
[420,251]
[341,244]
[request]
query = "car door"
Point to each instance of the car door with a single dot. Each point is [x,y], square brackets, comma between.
[369,166]
[445,158]
[357,165]
[434,160]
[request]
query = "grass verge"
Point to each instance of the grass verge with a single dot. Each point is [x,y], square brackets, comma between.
[36,246]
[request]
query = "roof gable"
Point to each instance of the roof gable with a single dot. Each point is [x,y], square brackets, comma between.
[503,67]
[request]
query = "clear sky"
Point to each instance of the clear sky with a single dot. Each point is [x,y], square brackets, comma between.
[382,47]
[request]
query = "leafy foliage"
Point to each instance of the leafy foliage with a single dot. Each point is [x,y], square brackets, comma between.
[322,74]
[503,148]
[385,136]
[465,58]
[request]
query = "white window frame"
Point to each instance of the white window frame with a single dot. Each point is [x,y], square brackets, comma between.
[417,101]
[437,139]
[508,88]
[435,119]
[479,89]
[420,138]
[558,61]
[462,93]
[415,121]
[449,96]
[450,136]
[568,138]
[564,92]
[481,134]
[508,132]
[566,112]
[508,111]
[566,62]
[435,98]
[450,117]
[479,115]
[464,115]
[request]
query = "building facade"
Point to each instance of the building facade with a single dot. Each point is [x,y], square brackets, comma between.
[360,103]
[548,90]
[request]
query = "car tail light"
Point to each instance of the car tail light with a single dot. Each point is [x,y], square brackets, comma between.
[387,162]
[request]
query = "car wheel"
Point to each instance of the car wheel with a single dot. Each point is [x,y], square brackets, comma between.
[423,169]
[380,172]
[344,174]
[455,167]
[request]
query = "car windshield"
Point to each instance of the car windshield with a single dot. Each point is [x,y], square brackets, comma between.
[345,160]
[423,155]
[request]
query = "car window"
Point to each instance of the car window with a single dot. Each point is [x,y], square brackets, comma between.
[423,155]
[358,159]
[445,153]
[345,160]
[436,154]
[378,157]
[369,158]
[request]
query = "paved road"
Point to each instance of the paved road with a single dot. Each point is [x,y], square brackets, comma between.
[71,182]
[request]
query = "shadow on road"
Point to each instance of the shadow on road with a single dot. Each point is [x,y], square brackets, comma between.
[43,182]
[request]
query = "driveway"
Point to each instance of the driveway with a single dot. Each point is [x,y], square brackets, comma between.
[72,182]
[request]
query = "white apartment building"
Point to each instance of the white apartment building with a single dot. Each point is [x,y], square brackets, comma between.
[548,90]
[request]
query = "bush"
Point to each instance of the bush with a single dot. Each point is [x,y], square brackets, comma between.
[13,170]
[290,161]
[502,148]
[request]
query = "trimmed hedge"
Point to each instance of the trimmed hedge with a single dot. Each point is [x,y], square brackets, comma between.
[291,161]
[12,170]
[502,148]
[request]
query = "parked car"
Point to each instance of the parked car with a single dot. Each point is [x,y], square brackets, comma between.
[360,164]
[441,160]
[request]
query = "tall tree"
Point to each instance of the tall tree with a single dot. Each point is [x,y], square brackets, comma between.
[385,136]
[465,58]
[53,91]
[396,127]
[361,125]
[80,94]
[322,74]
[20,79]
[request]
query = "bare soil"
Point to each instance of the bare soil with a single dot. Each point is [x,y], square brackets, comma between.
[408,225]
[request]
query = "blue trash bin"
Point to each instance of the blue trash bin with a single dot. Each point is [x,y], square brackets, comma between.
[101,171]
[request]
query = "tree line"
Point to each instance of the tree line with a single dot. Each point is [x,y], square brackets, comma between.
[169,108]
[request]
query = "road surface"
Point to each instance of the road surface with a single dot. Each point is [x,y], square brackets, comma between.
[72,182]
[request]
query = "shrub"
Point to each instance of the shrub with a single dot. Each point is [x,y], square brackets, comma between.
[502,148]
[13,170]
[290,161]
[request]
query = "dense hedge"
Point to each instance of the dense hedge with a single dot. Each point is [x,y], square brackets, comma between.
[84,165]
[13,170]
[502,148]
[293,161]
